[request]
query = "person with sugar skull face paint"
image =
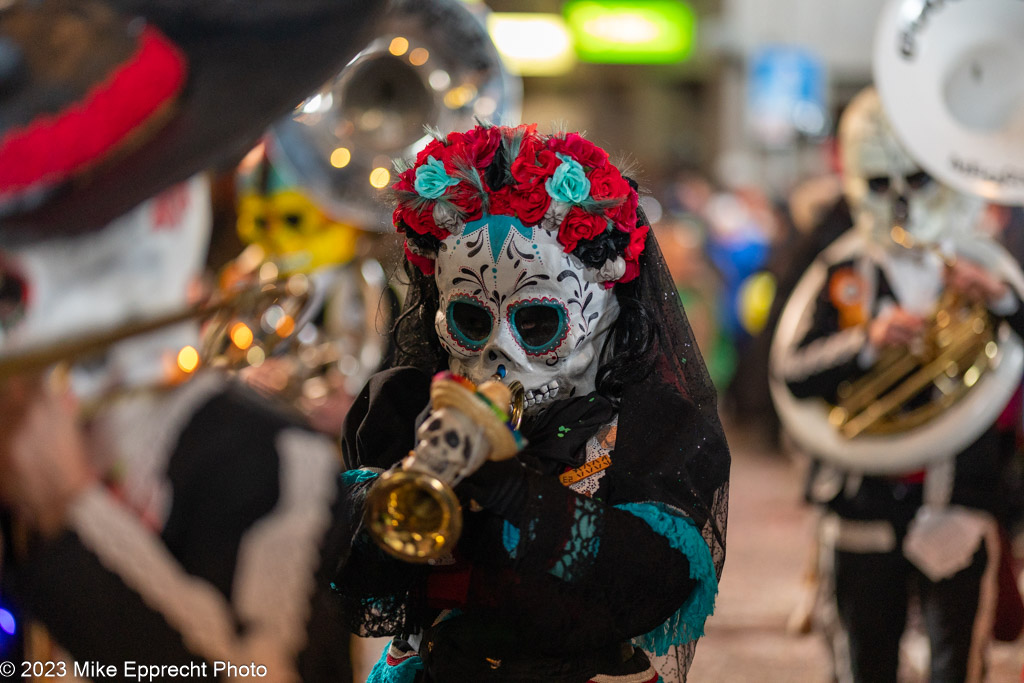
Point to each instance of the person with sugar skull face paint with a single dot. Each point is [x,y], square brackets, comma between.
[930,530]
[596,551]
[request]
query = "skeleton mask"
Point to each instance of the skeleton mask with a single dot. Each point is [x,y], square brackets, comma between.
[525,235]
[136,268]
[512,298]
[885,187]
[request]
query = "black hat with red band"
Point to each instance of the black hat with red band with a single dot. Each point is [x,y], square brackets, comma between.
[105,103]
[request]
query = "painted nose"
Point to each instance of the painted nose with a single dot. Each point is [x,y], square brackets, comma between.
[900,208]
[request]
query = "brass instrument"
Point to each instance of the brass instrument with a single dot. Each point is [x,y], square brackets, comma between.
[431,63]
[916,404]
[416,516]
[226,310]
[958,347]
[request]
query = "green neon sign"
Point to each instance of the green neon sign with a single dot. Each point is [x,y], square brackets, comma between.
[637,32]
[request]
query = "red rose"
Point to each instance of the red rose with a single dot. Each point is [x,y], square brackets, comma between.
[467,198]
[580,225]
[501,202]
[426,265]
[624,215]
[475,147]
[607,183]
[535,163]
[433,149]
[530,203]
[406,181]
[420,222]
[482,145]
[636,242]
[584,151]
[632,270]
[453,156]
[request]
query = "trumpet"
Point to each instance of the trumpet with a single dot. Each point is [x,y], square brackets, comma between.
[415,515]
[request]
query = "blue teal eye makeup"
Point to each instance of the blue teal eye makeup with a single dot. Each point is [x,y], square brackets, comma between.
[539,325]
[470,322]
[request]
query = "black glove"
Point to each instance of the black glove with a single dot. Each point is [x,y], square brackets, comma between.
[501,487]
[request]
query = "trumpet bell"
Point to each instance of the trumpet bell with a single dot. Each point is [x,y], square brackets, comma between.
[413,516]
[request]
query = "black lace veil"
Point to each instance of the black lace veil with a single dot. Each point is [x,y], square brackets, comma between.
[651,344]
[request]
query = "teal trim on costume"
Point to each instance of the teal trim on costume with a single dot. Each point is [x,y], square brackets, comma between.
[583,544]
[688,622]
[353,477]
[510,538]
[405,672]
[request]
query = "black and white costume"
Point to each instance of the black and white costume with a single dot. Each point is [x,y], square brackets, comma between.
[206,544]
[865,530]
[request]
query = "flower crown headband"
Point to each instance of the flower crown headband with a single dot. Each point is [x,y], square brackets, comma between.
[561,183]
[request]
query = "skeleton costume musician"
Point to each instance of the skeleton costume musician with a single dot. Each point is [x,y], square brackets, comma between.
[930,530]
[605,537]
[161,516]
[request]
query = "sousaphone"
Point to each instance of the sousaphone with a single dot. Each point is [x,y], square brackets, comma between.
[971,370]
[949,78]
[430,64]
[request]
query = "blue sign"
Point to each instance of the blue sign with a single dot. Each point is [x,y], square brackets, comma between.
[786,94]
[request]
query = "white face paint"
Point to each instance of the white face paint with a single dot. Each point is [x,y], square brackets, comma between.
[136,268]
[885,187]
[510,297]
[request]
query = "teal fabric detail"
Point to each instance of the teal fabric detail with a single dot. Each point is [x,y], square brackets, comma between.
[432,180]
[405,672]
[688,622]
[353,477]
[569,183]
[510,539]
[583,544]
[498,227]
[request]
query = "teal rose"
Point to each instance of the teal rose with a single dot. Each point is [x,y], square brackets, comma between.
[432,180]
[569,182]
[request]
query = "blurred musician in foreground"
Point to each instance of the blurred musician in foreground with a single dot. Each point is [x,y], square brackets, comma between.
[341,338]
[173,518]
[928,530]
[594,553]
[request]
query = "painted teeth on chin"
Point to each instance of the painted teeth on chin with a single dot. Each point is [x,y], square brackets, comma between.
[541,394]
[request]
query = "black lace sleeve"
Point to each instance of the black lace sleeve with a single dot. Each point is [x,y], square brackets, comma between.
[574,573]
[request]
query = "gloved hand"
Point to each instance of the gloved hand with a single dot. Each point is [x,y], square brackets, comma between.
[501,487]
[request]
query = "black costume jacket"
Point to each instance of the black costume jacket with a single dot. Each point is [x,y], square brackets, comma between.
[552,587]
[209,546]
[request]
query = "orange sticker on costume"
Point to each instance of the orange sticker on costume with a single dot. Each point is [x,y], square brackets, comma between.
[585,470]
[847,291]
